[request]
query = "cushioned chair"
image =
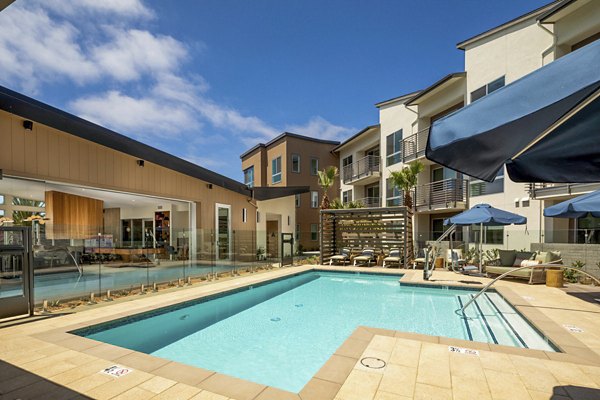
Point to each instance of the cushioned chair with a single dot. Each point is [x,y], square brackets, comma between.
[366,257]
[342,257]
[511,259]
[392,258]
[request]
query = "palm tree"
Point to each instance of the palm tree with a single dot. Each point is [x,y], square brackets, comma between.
[406,180]
[326,180]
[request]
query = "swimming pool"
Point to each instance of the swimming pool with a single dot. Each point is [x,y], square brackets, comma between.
[281,333]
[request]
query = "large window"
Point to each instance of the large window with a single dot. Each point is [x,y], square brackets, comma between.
[296,163]
[1,199]
[393,195]
[314,231]
[276,170]
[314,166]
[346,161]
[487,89]
[491,235]
[249,176]
[347,196]
[394,148]
[314,199]
[480,188]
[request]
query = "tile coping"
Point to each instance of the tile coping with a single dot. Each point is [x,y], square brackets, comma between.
[320,386]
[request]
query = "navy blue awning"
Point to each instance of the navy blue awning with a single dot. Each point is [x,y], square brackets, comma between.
[486,215]
[545,126]
[578,207]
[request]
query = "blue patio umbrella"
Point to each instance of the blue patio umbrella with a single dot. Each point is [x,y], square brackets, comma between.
[485,215]
[577,207]
[545,126]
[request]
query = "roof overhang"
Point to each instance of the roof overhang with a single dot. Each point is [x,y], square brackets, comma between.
[5,3]
[362,133]
[397,100]
[561,10]
[436,88]
[270,193]
[285,135]
[28,108]
[530,15]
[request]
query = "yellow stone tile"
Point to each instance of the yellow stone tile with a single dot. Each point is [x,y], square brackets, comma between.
[568,373]
[399,379]
[89,382]
[428,392]
[467,366]
[359,385]
[408,355]
[135,393]
[496,361]
[206,395]
[504,385]
[389,396]
[157,384]
[464,388]
[118,386]
[179,391]
[382,343]
[434,371]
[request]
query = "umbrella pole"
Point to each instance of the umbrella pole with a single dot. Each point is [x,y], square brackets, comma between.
[480,248]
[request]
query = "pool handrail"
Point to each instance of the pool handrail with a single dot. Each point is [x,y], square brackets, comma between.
[499,277]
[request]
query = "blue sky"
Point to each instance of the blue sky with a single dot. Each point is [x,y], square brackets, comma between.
[207,79]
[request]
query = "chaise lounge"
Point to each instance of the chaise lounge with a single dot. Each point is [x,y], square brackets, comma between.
[511,259]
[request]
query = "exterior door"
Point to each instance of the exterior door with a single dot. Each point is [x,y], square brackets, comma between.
[16,277]
[223,231]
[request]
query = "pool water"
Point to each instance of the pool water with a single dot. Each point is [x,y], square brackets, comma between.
[281,333]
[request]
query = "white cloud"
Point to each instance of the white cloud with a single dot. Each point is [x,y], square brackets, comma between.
[142,117]
[132,53]
[319,127]
[124,8]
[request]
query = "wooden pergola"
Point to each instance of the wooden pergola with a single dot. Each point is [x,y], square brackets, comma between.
[381,228]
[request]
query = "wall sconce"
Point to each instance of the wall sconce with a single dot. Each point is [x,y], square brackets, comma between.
[140,163]
[28,125]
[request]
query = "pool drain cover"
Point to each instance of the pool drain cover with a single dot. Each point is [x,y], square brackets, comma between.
[373,362]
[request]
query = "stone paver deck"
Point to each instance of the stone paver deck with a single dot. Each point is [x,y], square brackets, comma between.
[41,360]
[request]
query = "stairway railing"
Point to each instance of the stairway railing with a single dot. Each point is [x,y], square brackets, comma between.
[486,287]
[427,272]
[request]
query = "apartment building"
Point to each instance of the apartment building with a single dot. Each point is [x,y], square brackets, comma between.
[291,161]
[493,59]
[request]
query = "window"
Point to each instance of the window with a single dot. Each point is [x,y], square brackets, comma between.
[1,213]
[394,148]
[297,200]
[347,196]
[257,217]
[491,235]
[487,89]
[480,188]
[314,166]
[249,177]
[289,220]
[276,170]
[244,215]
[1,199]
[525,201]
[314,231]
[393,195]
[296,163]
[314,199]
[346,161]
[297,231]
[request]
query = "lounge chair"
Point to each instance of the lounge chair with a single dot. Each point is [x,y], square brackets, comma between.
[366,257]
[342,257]
[392,258]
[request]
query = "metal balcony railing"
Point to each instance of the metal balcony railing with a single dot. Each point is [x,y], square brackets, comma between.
[370,202]
[448,193]
[537,190]
[360,169]
[413,146]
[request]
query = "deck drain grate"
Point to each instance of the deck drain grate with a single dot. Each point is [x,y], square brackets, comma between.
[373,362]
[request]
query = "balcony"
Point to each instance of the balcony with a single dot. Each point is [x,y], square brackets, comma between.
[369,202]
[364,171]
[413,146]
[442,195]
[543,191]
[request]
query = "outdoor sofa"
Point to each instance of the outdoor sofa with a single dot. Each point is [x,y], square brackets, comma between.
[510,259]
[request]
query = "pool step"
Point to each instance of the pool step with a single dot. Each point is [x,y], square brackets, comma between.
[490,319]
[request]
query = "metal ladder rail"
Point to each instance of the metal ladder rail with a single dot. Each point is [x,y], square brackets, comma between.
[486,287]
[427,272]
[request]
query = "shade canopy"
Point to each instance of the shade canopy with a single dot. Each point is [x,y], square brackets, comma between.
[545,126]
[578,207]
[484,214]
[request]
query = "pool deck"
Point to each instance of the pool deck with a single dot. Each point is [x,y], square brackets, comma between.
[39,359]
